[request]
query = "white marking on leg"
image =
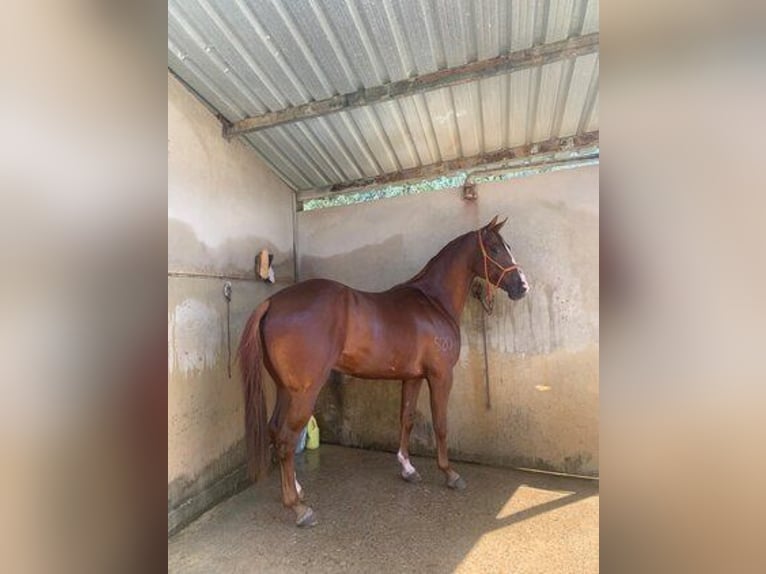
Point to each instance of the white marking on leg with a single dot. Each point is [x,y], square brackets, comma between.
[407,468]
[298,487]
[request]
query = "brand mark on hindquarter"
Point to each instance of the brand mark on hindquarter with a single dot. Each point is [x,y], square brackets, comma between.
[444,343]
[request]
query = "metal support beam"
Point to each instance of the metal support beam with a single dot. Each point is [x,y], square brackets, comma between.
[520,60]
[495,161]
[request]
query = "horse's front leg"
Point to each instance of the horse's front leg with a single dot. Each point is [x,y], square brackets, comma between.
[410,391]
[439,388]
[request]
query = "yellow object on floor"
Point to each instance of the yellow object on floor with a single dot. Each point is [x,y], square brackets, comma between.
[312,441]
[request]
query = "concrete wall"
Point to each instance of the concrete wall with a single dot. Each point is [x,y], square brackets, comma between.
[543,350]
[224,205]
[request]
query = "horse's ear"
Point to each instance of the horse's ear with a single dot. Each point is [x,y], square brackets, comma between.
[492,223]
[499,226]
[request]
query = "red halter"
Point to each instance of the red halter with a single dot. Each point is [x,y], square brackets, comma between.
[490,294]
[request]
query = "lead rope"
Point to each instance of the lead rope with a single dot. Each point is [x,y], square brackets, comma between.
[227,295]
[488,302]
[488,403]
[477,292]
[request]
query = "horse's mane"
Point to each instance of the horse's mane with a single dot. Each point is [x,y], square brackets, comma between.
[431,262]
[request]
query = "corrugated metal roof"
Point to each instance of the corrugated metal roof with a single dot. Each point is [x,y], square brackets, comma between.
[248,57]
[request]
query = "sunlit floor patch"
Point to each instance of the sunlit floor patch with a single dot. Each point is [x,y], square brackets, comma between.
[526,497]
[539,531]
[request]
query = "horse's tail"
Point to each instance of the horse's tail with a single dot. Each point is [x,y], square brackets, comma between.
[250,354]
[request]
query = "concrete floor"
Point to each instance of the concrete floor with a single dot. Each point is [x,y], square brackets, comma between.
[371,521]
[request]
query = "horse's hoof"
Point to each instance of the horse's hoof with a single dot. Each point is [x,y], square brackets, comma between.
[456,483]
[306,518]
[413,477]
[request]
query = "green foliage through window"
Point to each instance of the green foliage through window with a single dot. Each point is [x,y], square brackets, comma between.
[437,184]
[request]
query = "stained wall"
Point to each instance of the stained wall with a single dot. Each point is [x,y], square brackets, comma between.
[224,205]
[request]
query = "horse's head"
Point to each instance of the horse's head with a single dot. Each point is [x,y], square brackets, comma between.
[495,264]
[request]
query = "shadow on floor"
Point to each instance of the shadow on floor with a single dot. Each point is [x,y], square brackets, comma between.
[370,521]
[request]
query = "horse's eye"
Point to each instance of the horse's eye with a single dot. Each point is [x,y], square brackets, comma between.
[494,249]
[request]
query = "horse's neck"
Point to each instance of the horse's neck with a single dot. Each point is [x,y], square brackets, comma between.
[447,278]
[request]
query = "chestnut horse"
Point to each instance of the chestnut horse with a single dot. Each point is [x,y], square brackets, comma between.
[408,333]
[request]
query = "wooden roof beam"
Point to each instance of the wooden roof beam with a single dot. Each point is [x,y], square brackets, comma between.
[519,60]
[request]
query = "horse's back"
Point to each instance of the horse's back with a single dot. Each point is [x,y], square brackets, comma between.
[309,292]
[315,304]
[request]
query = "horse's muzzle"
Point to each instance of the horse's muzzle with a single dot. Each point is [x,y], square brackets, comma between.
[517,290]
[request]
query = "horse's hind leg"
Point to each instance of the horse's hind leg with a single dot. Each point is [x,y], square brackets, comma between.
[439,389]
[410,391]
[297,415]
[277,421]
[278,416]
